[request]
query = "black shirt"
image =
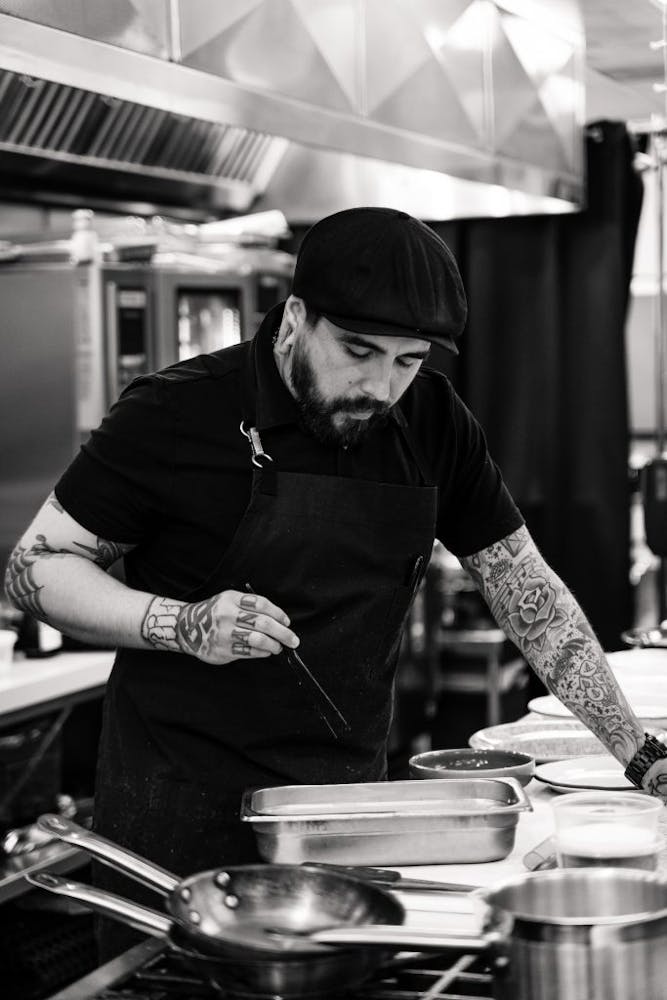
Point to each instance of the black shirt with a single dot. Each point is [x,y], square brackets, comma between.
[169,470]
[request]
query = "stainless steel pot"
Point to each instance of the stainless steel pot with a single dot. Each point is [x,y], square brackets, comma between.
[580,934]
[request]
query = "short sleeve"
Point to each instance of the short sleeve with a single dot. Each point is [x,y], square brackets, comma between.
[479,509]
[120,482]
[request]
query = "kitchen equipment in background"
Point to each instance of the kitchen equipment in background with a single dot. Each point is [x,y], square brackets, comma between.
[543,738]
[647,638]
[387,823]
[470,763]
[132,308]
[609,829]
[603,773]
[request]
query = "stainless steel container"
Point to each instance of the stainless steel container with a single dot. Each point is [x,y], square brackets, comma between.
[444,821]
[584,934]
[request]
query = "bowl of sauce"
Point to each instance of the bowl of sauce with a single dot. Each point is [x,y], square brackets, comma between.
[466,762]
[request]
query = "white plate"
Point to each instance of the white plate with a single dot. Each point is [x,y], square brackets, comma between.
[544,739]
[550,706]
[603,773]
[644,662]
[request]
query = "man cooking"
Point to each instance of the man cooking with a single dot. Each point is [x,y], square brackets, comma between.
[285,493]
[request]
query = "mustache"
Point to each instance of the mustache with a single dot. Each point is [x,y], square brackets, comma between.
[366,405]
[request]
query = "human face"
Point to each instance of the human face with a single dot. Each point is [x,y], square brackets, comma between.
[345,382]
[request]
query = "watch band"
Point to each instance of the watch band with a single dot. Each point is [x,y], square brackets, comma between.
[647,754]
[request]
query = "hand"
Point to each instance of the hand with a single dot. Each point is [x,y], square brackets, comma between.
[655,780]
[233,625]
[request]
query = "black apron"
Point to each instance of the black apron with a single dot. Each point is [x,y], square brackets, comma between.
[182,739]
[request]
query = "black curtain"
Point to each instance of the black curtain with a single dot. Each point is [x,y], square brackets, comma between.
[543,367]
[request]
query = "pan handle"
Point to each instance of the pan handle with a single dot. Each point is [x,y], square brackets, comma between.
[109,853]
[105,903]
[403,937]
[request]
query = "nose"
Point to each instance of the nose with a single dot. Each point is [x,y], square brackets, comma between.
[377,384]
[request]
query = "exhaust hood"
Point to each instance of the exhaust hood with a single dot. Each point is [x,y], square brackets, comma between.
[443,108]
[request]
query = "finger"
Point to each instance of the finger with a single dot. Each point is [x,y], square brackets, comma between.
[248,643]
[255,612]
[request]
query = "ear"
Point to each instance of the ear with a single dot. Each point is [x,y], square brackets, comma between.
[294,315]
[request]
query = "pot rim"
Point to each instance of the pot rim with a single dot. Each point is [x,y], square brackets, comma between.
[565,874]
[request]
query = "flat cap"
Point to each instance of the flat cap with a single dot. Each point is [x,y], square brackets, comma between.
[380,271]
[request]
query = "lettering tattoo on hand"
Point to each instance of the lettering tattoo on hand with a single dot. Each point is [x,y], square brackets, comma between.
[539,614]
[246,618]
[241,642]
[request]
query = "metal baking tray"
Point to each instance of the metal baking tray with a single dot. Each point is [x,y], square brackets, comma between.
[442,821]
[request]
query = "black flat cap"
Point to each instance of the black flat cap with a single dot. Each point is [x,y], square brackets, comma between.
[380,271]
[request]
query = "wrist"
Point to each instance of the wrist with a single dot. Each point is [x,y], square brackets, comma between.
[160,625]
[649,760]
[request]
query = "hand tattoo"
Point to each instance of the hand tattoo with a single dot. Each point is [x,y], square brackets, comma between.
[159,626]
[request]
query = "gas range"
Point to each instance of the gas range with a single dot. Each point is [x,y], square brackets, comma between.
[150,972]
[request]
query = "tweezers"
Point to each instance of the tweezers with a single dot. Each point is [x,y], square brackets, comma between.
[333,719]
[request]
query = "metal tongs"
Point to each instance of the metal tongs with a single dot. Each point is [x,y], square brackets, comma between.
[333,719]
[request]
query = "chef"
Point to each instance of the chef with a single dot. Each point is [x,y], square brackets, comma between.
[284,494]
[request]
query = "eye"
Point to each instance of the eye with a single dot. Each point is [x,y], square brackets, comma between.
[409,362]
[357,352]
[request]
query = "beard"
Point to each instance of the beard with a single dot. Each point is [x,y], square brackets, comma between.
[331,421]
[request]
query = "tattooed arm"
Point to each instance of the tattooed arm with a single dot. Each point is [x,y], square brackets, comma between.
[58,574]
[542,618]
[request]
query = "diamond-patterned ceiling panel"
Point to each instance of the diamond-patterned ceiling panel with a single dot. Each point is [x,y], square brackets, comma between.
[430,104]
[534,141]
[540,52]
[514,91]
[435,17]
[202,20]
[140,25]
[336,26]
[559,94]
[271,49]
[462,59]
[395,49]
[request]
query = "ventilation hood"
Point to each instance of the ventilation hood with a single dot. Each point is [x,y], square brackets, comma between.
[444,108]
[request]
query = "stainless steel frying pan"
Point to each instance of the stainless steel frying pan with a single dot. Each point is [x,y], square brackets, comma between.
[229,908]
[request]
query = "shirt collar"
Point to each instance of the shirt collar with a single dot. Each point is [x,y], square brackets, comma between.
[272,402]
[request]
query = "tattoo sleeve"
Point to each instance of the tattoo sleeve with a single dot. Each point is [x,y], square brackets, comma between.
[21,584]
[541,617]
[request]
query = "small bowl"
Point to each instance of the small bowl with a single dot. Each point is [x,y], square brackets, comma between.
[469,763]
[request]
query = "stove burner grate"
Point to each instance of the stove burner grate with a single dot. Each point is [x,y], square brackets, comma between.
[423,977]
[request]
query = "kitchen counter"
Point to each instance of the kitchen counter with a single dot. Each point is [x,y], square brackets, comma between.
[28,684]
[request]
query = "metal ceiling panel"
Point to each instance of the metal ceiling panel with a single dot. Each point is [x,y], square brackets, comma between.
[270,49]
[140,25]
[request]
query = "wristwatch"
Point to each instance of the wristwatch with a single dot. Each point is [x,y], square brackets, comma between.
[647,754]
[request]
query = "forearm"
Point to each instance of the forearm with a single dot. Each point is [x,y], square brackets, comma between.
[81,599]
[539,614]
